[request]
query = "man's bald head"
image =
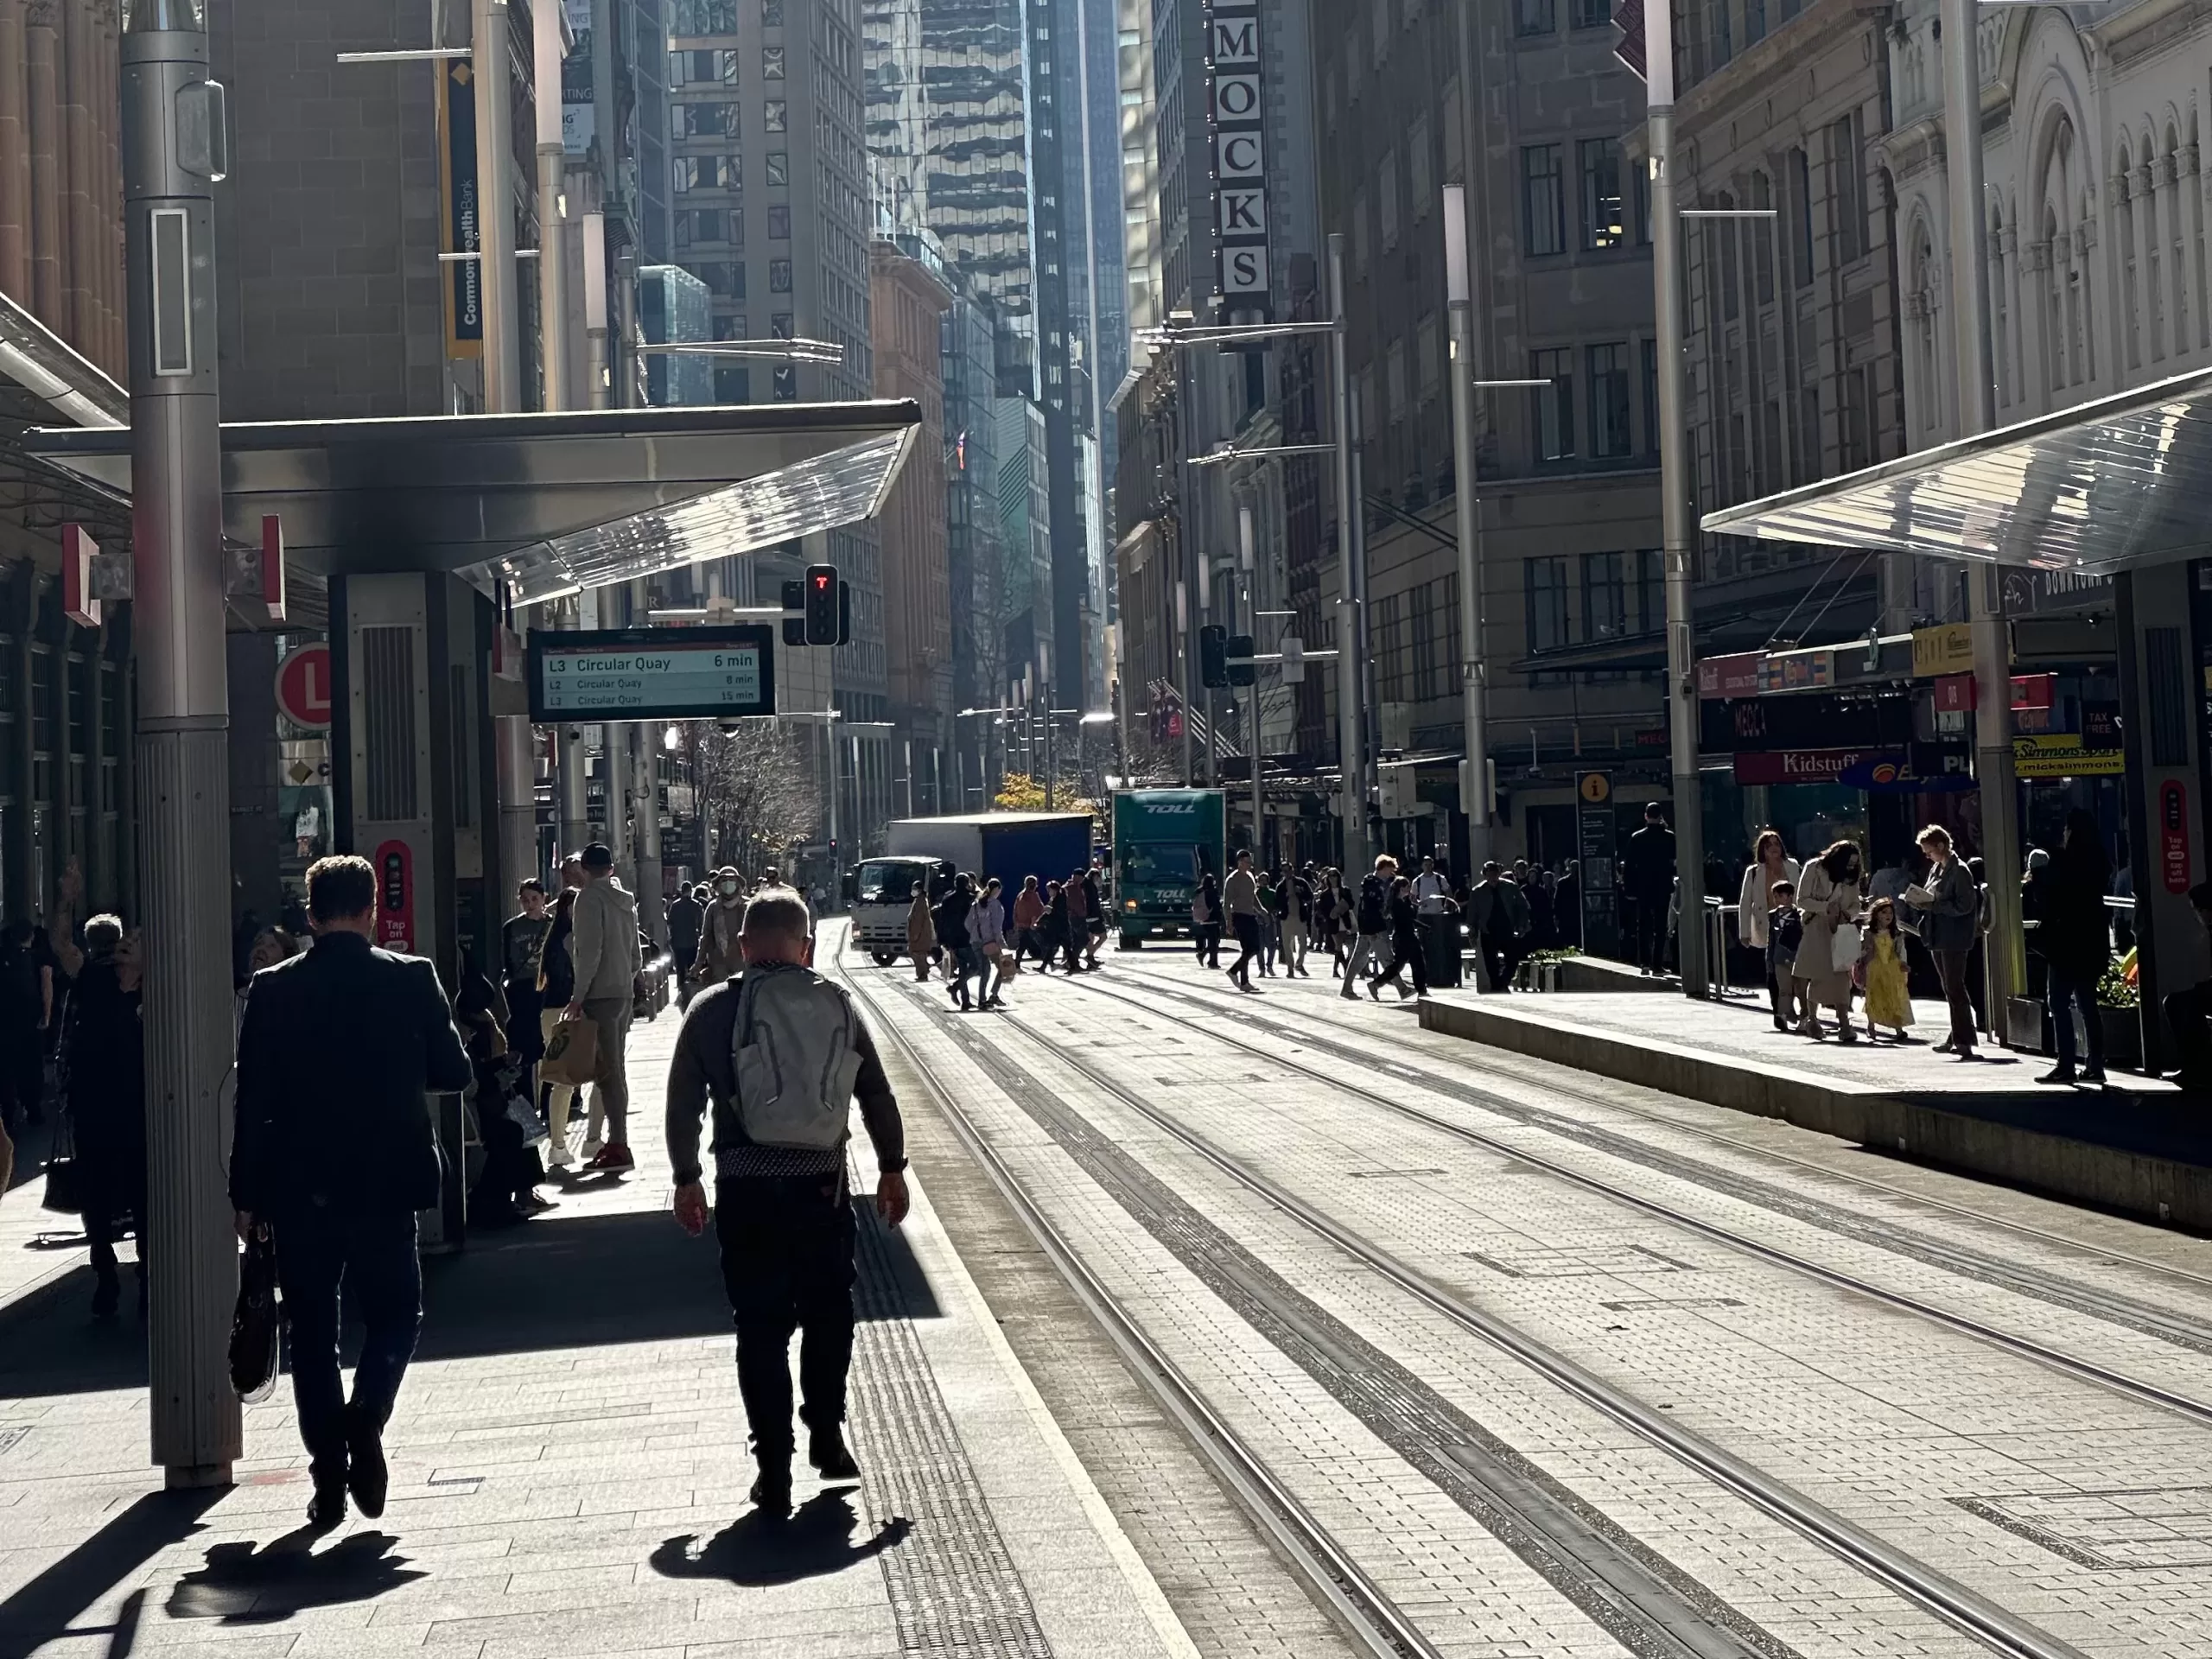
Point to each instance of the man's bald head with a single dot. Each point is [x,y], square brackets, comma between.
[778,927]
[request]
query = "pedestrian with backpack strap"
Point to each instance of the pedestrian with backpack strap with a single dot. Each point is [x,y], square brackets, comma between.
[1372,914]
[781,1053]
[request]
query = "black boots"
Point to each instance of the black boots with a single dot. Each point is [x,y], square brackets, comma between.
[827,1452]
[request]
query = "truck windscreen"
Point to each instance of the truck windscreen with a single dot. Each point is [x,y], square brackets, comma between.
[888,882]
[1161,864]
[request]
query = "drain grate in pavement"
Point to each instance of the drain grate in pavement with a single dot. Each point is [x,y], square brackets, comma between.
[953,1586]
[2135,1529]
[1544,1261]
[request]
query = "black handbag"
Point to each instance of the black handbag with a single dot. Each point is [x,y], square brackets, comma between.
[65,1171]
[253,1325]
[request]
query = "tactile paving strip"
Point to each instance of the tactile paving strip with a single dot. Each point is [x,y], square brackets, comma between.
[954,1590]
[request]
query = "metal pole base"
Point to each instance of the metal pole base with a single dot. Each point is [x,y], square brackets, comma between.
[191,1249]
[196,1476]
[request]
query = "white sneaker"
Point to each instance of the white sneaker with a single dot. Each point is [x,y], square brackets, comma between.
[591,1149]
[559,1157]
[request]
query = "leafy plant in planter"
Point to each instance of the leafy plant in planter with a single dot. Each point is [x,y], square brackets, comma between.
[2119,1006]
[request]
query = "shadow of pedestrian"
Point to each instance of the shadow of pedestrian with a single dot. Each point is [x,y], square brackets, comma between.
[46,1606]
[816,1541]
[244,1585]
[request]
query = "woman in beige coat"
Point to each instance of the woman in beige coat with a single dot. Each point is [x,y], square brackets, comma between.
[1829,896]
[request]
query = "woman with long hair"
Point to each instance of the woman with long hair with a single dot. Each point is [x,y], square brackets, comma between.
[556,986]
[1828,898]
[1770,862]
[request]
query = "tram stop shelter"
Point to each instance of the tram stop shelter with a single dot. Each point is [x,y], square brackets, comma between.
[425,530]
[2119,488]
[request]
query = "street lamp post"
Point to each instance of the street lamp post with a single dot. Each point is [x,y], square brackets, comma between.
[174,150]
[1351,757]
[1677,527]
[1993,669]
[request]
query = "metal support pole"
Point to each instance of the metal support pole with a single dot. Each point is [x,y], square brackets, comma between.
[552,208]
[495,227]
[515,763]
[183,732]
[1678,525]
[575,814]
[599,392]
[644,789]
[1352,766]
[1993,655]
[1251,626]
[1474,671]
[1183,669]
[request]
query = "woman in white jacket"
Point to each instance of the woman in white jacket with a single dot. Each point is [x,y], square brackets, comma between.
[1829,897]
[1770,862]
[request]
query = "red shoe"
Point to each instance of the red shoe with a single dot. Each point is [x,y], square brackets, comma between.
[612,1158]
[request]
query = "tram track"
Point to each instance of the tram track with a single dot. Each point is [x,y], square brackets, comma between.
[1637,1594]
[2159,1324]
[1486,1061]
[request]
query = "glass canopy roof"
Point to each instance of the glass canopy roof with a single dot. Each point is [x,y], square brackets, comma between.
[549,503]
[2102,487]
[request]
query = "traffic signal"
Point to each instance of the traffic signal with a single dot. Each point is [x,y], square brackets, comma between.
[795,612]
[1244,672]
[1213,655]
[822,614]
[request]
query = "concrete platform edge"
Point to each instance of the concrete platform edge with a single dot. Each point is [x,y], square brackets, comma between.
[2157,1189]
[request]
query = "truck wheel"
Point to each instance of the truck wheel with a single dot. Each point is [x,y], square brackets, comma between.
[883,958]
[1132,941]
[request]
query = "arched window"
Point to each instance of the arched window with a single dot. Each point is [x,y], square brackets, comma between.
[2054,300]
[2143,193]
[1923,307]
[2123,228]
[1998,317]
[2170,185]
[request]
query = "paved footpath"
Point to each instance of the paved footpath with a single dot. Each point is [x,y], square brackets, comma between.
[569,1471]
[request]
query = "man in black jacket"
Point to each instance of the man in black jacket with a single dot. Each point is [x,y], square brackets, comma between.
[1648,882]
[335,1153]
[783,1214]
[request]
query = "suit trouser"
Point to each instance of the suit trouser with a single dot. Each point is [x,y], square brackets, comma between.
[1294,946]
[787,1263]
[611,1081]
[373,1258]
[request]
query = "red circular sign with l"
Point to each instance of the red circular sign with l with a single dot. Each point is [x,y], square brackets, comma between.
[303,688]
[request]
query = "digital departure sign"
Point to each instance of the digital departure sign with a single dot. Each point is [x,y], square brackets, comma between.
[653,674]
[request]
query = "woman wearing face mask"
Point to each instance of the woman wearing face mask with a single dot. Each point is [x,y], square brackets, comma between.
[719,958]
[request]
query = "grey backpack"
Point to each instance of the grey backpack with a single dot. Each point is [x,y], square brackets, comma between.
[796,1060]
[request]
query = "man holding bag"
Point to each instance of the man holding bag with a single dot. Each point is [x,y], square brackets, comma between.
[605,951]
[781,1053]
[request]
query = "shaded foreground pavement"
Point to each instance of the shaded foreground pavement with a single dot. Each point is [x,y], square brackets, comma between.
[570,1469]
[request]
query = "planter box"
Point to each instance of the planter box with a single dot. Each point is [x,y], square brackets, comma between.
[2123,1036]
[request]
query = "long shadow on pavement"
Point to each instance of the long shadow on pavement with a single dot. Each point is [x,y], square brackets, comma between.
[245,1585]
[41,1611]
[815,1541]
[631,1276]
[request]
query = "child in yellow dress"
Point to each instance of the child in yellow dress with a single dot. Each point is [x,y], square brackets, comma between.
[1882,958]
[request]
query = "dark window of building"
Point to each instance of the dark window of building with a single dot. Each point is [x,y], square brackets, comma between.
[772,63]
[779,222]
[787,383]
[771,13]
[1609,428]
[1651,397]
[779,275]
[779,170]
[704,17]
[1533,17]
[778,115]
[733,383]
[1543,205]
[1590,13]
[781,325]
[1554,411]
[1847,181]
[1651,589]
[1754,21]
[1604,595]
[1603,223]
[1548,613]
[1801,220]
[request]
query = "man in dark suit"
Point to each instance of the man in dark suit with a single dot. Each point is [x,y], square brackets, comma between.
[335,1153]
[1648,883]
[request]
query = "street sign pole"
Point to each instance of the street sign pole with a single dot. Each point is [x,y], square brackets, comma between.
[1351,761]
[175,140]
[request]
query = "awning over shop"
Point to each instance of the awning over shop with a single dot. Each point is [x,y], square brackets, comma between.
[2105,486]
[547,502]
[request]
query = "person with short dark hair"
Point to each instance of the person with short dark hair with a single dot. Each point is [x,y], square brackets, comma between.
[335,1153]
[105,1046]
[1240,896]
[1949,903]
[782,1212]
[1648,884]
[522,941]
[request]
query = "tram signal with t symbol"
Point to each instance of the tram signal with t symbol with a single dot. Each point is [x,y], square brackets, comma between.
[823,619]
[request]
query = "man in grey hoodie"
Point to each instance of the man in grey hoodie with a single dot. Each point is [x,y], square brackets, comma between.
[604,947]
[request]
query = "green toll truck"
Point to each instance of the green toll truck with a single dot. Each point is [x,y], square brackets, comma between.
[1166,841]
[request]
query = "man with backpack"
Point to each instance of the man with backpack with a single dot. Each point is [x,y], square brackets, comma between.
[1372,914]
[781,1053]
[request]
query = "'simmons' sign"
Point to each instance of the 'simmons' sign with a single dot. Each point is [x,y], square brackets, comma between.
[1236,94]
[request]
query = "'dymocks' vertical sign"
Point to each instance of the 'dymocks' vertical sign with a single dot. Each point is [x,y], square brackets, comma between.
[1237,92]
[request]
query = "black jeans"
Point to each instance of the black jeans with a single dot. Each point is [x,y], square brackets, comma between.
[787,1264]
[1209,936]
[1951,968]
[1648,920]
[373,1257]
[2067,989]
[1248,947]
[2189,1017]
